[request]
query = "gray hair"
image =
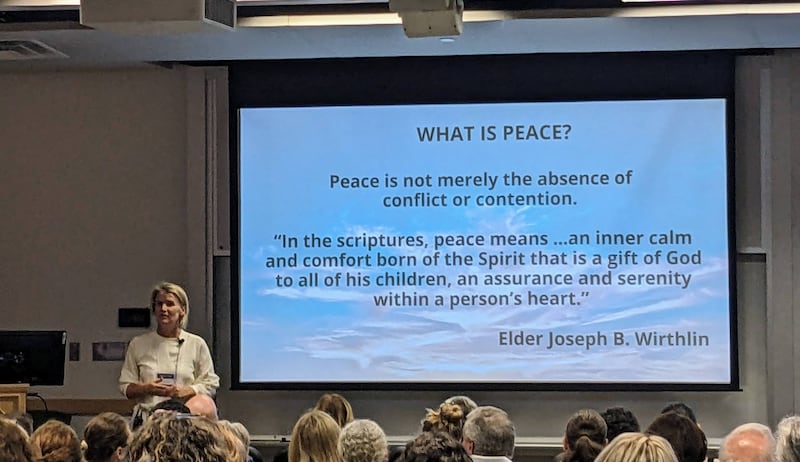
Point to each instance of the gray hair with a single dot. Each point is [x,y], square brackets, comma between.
[787,435]
[492,432]
[362,440]
[751,442]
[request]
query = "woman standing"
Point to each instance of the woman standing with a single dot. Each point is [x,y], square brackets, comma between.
[168,362]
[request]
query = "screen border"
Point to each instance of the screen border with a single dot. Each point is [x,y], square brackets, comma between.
[481,79]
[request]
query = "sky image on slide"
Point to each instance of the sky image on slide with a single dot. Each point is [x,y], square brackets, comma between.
[577,242]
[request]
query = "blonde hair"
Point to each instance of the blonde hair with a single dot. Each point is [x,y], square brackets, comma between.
[337,407]
[176,290]
[239,430]
[171,437]
[637,447]
[236,446]
[57,442]
[448,418]
[363,440]
[314,438]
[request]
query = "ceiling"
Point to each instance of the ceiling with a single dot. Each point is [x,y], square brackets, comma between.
[350,29]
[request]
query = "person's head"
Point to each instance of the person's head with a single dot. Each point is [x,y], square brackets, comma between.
[787,439]
[57,442]
[362,440]
[435,447]
[448,418]
[337,407]
[14,444]
[750,442]
[239,430]
[24,420]
[396,454]
[680,408]
[171,437]
[619,420]
[170,305]
[236,447]
[204,405]
[489,432]
[107,436]
[314,438]
[466,403]
[171,405]
[585,436]
[686,438]
[637,447]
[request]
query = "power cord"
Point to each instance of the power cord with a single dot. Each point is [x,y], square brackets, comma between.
[37,395]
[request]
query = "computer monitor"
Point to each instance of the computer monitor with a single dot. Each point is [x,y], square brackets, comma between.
[33,357]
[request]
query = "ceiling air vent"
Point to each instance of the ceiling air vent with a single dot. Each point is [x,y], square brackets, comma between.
[18,50]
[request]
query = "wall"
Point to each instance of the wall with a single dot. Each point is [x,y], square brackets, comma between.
[103,192]
[93,192]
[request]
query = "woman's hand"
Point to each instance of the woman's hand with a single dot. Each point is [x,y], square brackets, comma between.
[159,389]
[182,392]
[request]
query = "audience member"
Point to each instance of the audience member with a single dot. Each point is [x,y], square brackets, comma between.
[448,418]
[171,405]
[14,444]
[237,448]
[435,447]
[362,440]
[106,437]
[787,439]
[57,442]
[686,438]
[178,438]
[584,437]
[489,435]
[466,403]
[337,407]
[396,454]
[680,408]
[204,405]
[253,455]
[314,438]
[24,420]
[619,420]
[637,447]
[750,442]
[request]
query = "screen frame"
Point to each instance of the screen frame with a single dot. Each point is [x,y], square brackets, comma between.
[491,79]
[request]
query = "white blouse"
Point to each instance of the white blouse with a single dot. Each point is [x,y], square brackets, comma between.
[183,361]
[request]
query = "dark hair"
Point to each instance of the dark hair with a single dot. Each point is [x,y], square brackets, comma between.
[396,454]
[172,405]
[435,447]
[585,435]
[619,420]
[104,434]
[680,408]
[686,438]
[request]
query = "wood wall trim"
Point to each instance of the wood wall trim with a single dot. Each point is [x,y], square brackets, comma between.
[83,406]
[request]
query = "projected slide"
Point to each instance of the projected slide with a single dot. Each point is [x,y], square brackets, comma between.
[581,242]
